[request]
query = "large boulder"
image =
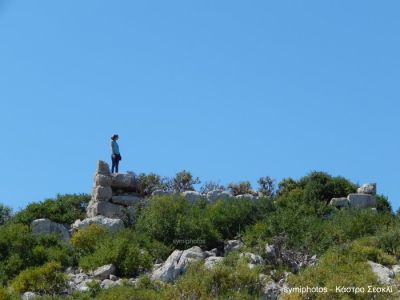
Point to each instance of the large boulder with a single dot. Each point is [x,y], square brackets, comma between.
[111,224]
[108,210]
[103,168]
[368,188]
[384,274]
[102,193]
[176,264]
[362,201]
[212,261]
[29,296]
[45,226]
[123,181]
[339,202]
[191,196]
[214,195]
[104,272]
[232,245]
[102,180]
[246,196]
[126,200]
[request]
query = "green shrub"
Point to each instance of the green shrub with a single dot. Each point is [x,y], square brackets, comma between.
[5,213]
[183,181]
[63,209]
[266,186]
[130,293]
[241,188]
[47,279]
[85,240]
[146,184]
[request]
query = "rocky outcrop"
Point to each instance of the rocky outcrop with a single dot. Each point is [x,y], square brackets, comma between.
[113,194]
[212,261]
[385,275]
[232,245]
[192,196]
[364,198]
[104,272]
[45,226]
[176,264]
[214,195]
[111,224]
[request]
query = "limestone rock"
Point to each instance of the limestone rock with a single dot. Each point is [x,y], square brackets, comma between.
[126,200]
[45,226]
[191,196]
[214,195]
[246,196]
[212,261]
[368,188]
[123,181]
[384,274]
[176,264]
[271,290]
[101,193]
[111,224]
[253,258]
[28,296]
[104,272]
[271,254]
[102,180]
[339,202]
[108,210]
[107,283]
[160,192]
[103,168]
[232,245]
[362,201]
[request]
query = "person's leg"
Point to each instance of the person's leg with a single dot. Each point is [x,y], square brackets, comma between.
[113,164]
[116,165]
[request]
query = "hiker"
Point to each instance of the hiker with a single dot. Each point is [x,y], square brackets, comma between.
[115,156]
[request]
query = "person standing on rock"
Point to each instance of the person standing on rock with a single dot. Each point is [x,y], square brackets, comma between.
[115,154]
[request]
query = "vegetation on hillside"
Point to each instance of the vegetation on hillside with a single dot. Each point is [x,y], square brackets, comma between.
[297,212]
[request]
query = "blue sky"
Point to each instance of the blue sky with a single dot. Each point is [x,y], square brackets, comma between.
[230,90]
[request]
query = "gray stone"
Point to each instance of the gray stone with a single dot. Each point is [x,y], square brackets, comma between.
[104,272]
[107,283]
[271,254]
[339,202]
[271,290]
[101,193]
[108,210]
[79,278]
[368,188]
[232,245]
[212,261]
[102,168]
[123,181]
[114,278]
[362,201]
[176,264]
[126,200]
[192,196]
[384,274]
[396,269]
[214,195]
[28,296]
[160,192]
[102,180]
[253,258]
[246,196]
[212,252]
[45,226]
[111,224]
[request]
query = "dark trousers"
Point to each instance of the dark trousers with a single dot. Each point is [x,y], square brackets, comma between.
[115,162]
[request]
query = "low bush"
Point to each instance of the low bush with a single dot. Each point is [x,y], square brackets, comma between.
[241,188]
[47,279]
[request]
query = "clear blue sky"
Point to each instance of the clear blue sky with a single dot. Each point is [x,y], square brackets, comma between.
[230,90]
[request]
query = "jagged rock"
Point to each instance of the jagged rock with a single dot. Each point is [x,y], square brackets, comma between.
[176,264]
[211,261]
[114,278]
[339,202]
[78,278]
[368,188]
[218,194]
[102,180]
[82,287]
[232,245]
[45,226]
[212,252]
[396,269]
[123,181]
[253,258]
[108,210]
[362,201]
[246,196]
[28,296]
[104,272]
[111,224]
[126,200]
[107,283]
[191,196]
[103,168]
[384,274]
[270,291]
[271,254]
[101,193]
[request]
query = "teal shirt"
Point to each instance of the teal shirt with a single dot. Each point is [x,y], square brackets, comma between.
[114,147]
